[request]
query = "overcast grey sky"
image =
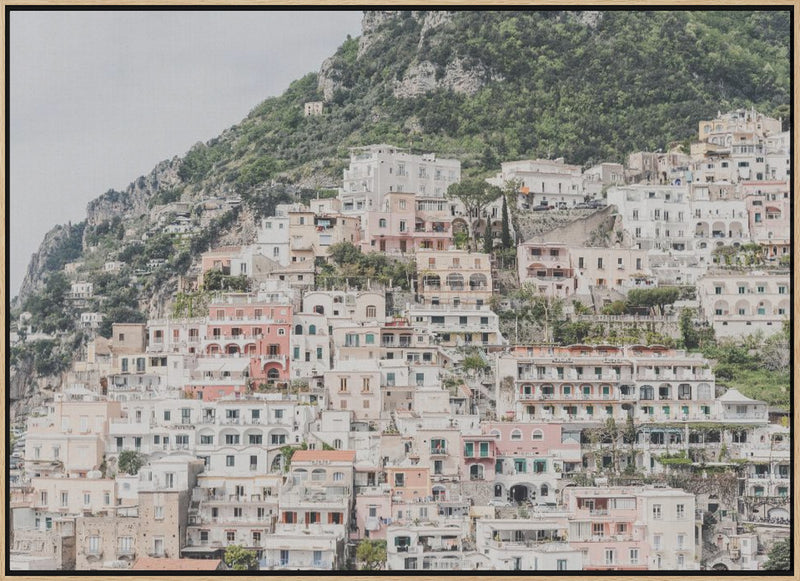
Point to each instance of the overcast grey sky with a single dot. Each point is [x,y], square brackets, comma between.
[98,98]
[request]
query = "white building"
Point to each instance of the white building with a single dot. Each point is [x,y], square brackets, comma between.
[376,170]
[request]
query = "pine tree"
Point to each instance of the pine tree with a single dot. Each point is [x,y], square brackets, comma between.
[505,237]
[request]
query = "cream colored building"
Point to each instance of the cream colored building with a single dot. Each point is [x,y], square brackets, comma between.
[741,302]
[454,277]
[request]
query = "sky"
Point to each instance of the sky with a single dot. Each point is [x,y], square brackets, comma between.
[98,98]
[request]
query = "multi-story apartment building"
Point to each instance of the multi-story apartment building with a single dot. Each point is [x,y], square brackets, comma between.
[454,277]
[528,544]
[310,345]
[401,227]
[544,182]
[456,326]
[548,267]
[232,509]
[71,438]
[319,489]
[530,460]
[633,529]
[424,546]
[377,170]
[163,518]
[356,386]
[182,335]
[741,302]
[106,542]
[239,324]
[345,306]
[768,216]
[583,383]
[311,234]
[272,238]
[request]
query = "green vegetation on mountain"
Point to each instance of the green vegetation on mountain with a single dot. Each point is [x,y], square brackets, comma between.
[552,85]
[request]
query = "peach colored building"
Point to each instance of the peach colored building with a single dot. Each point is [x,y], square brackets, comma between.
[454,277]
[72,437]
[409,483]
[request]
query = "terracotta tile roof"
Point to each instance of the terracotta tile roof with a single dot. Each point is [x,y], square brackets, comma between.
[163,564]
[329,455]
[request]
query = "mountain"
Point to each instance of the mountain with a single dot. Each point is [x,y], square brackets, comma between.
[480,86]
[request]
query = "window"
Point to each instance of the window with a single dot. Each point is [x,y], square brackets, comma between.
[230,460]
[633,556]
[657,511]
[372,311]
[610,556]
[681,511]
[209,439]
[399,480]
[93,547]
[158,512]
[516,435]
[231,439]
[125,545]
[681,542]
[657,542]
[255,439]
[64,498]
[87,499]
[598,529]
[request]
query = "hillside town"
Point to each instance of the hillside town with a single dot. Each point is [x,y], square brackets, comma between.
[290,412]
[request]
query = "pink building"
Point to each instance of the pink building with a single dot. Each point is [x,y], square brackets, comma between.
[531,459]
[240,325]
[406,224]
[479,457]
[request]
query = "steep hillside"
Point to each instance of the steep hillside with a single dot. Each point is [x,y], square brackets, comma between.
[484,87]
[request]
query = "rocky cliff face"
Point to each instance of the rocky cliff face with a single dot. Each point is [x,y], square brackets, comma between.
[132,203]
[422,75]
[34,276]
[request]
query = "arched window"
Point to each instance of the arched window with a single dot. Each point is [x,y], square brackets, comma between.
[319,309]
[317,475]
[312,329]
[545,490]
[516,435]
[476,472]
[537,435]
[273,374]
[298,329]
[496,434]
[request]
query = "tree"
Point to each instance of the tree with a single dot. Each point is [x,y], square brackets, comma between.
[488,240]
[130,462]
[372,554]
[654,299]
[505,236]
[240,559]
[475,195]
[780,557]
